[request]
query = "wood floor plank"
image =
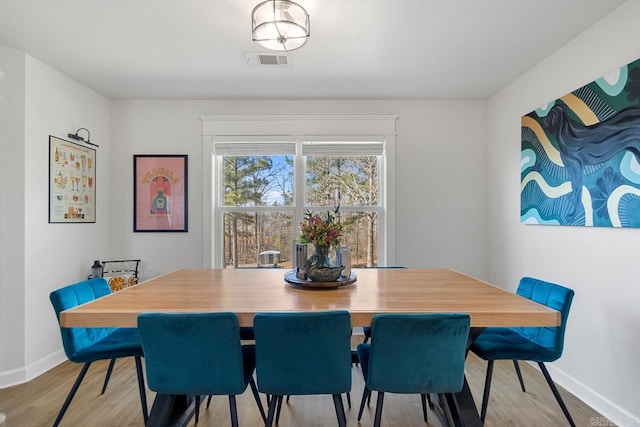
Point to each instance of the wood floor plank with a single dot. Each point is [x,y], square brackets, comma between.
[37,402]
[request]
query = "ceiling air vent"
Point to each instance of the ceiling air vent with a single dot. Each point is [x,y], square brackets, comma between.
[262,59]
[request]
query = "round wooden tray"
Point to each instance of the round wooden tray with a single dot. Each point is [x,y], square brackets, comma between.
[291,279]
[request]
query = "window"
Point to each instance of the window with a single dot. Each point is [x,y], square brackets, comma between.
[347,174]
[257,205]
[266,187]
[265,172]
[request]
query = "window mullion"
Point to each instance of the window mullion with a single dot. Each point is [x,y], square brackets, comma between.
[300,172]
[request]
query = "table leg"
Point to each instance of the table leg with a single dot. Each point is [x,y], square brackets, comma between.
[170,410]
[461,406]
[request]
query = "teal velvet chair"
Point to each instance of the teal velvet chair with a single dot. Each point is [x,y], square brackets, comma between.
[532,344]
[87,345]
[414,354]
[303,354]
[196,354]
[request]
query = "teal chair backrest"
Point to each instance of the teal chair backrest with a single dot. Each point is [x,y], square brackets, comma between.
[418,353]
[192,353]
[303,353]
[553,296]
[75,340]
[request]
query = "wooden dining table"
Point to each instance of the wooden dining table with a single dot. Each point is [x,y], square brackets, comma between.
[250,291]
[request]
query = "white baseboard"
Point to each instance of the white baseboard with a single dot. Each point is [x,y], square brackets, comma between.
[25,374]
[12,377]
[614,413]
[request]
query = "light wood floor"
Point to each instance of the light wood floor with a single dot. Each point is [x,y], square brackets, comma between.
[36,403]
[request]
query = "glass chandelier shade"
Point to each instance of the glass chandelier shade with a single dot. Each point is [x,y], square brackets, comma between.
[280,25]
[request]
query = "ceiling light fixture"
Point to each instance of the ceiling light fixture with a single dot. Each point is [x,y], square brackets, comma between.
[280,25]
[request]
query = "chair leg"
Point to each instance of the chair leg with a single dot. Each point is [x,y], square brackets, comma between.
[554,389]
[280,399]
[112,362]
[209,401]
[354,357]
[72,393]
[142,389]
[197,415]
[487,389]
[429,401]
[256,396]
[273,403]
[233,410]
[378,418]
[337,402]
[423,397]
[365,394]
[517,366]
[349,400]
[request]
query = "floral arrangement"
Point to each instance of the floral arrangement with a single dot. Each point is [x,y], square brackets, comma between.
[321,232]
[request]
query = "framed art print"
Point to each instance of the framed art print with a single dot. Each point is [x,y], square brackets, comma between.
[72,182]
[580,156]
[160,193]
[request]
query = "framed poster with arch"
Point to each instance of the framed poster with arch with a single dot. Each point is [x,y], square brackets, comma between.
[160,193]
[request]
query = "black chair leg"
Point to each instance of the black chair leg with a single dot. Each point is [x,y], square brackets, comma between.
[429,401]
[487,389]
[112,362]
[365,394]
[209,401]
[142,389]
[349,399]
[517,366]
[423,397]
[256,396]
[337,402]
[197,398]
[72,393]
[233,410]
[378,418]
[273,403]
[280,399]
[554,389]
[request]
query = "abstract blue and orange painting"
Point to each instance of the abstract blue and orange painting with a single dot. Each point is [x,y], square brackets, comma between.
[580,158]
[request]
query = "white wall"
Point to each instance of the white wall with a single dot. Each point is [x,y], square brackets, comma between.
[600,362]
[12,209]
[440,216]
[57,254]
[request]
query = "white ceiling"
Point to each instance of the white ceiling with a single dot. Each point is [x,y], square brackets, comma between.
[359,49]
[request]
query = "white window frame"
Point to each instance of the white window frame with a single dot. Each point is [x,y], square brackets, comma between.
[298,129]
